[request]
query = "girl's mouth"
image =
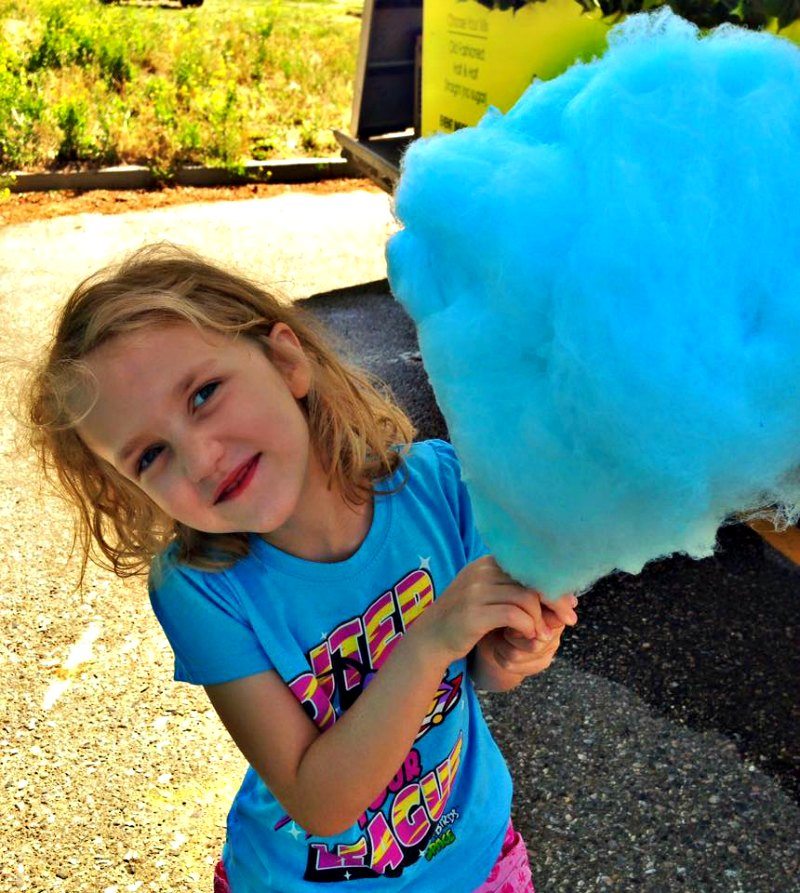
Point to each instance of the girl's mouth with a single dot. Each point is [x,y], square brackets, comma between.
[237,481]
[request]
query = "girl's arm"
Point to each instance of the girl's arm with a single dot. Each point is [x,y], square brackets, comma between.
[325,781]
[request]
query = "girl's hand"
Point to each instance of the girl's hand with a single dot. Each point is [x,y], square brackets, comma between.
[523,657]
[480,599]
[503,658]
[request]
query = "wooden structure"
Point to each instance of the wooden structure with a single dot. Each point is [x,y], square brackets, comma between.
[386,102]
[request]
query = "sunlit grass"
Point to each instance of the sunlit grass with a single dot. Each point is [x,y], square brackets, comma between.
[83,83]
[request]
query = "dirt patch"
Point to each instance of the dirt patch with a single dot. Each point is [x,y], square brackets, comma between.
[28,206]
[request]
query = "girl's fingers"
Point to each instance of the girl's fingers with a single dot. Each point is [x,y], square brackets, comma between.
[552,619]
[514,618]
[526,600]
[529,643]
[514,638]
[564,609]
[529,600]
[534,658]
[530,647]
[533,605]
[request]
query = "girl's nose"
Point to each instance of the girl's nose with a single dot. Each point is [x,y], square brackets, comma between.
[201,458]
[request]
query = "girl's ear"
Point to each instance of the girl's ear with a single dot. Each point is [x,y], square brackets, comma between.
[290,359]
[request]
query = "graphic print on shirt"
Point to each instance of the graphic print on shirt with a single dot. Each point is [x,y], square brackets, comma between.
[393,840]
[407,816]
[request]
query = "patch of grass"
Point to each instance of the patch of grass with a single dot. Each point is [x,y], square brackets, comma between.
[84,83]
[21,111]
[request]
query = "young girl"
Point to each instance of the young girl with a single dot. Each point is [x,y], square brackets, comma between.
[319,576]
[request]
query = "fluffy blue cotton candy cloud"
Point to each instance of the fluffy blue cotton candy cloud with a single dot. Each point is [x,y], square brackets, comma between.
[606,284]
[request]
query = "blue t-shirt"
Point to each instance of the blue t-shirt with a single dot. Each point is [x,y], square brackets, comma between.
[326,628]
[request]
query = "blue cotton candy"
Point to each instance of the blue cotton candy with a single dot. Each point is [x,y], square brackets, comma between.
[606,284]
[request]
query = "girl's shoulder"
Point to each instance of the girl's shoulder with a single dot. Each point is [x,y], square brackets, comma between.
[436,455]
[199,609]
[171,579]
[433,467]
[433,460]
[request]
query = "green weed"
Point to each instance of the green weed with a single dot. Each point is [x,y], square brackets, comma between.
[21,109]
[83,82]
[76,142]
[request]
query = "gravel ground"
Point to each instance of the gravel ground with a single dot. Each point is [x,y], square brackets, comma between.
[115,779]
[612,796]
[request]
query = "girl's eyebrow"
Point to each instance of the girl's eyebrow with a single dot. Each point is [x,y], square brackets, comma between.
[178,393]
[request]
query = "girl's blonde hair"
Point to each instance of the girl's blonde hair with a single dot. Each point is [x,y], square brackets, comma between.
[355,426]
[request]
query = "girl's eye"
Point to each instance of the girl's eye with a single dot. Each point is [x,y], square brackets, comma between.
[147,458]
[202,394]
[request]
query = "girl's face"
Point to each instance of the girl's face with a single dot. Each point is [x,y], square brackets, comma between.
[206,425]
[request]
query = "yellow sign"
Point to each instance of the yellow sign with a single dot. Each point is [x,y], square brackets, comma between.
[476,54]
[474,57]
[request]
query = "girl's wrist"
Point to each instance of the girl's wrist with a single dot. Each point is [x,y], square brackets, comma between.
[421,637]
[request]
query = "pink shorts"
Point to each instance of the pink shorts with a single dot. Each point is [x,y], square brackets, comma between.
[511,872]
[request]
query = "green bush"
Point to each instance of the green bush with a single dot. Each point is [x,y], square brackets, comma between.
[76,142]
[87,82]
[21,108]
[115,66]
[67,40]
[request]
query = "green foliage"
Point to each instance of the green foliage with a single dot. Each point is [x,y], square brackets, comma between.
[115,66]
[87,83]
[77,143]
[263,26]
[225,121]
[710,13]
[21,109]
[188,68]
[190,139]
[65,41]
[163,97]
[71,119]
[6,182]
